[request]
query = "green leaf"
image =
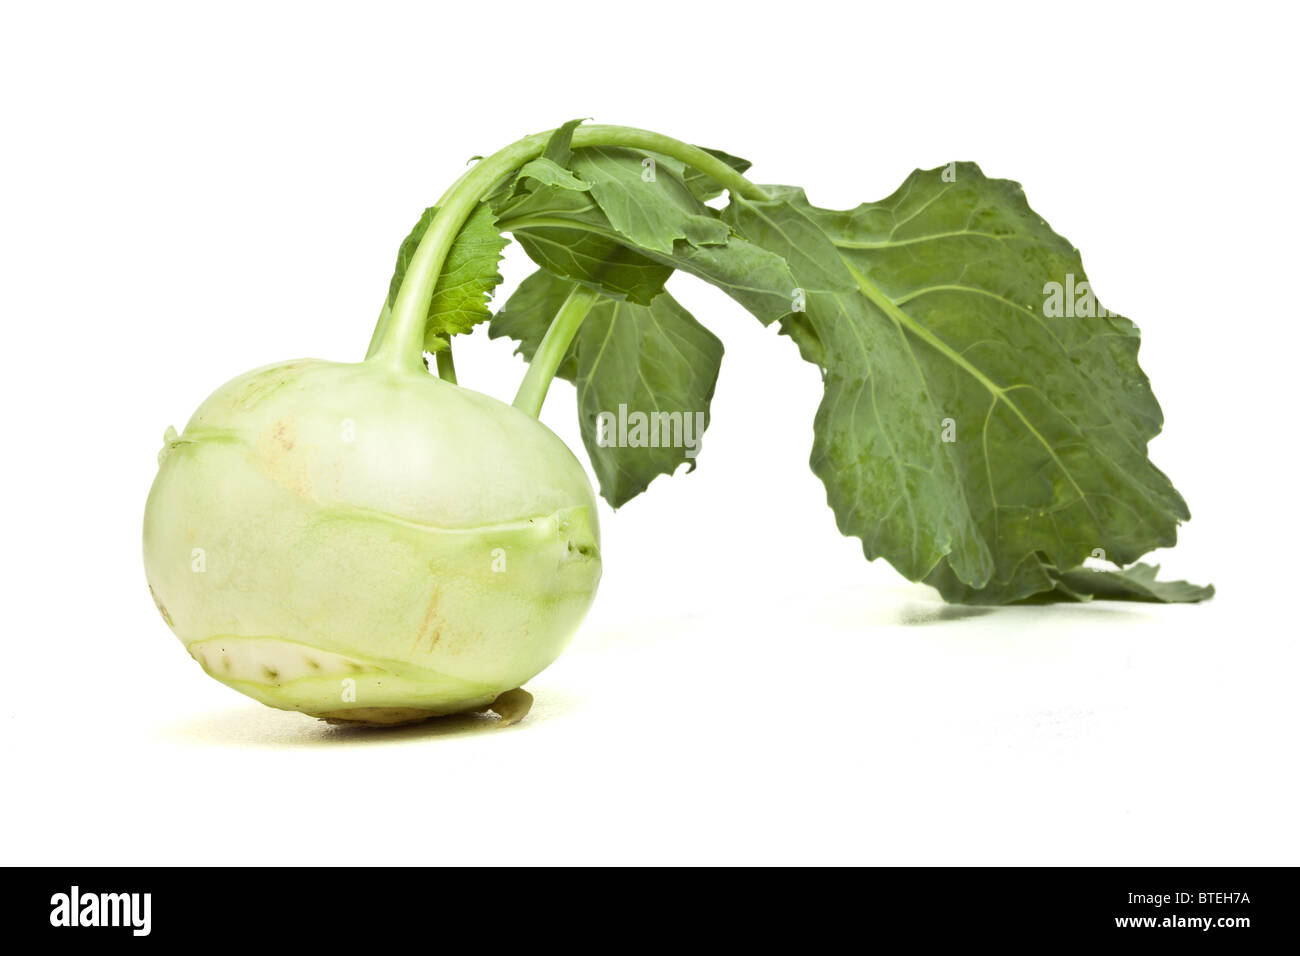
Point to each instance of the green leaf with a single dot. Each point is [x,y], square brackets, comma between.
[568,233]
[649,371]
[547,172]
[652,361]
[1135,583]
[926,311]
[609,268]
[649,207]
[558,147]
[755,277]
[468,276]
[527,314]
[564,231]
[549,169]
[406,250]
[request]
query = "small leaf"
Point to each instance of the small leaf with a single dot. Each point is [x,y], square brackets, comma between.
[558,149]
[468,275]
[550,173]
[643,366]
[1135,583]
[650,213]
[648,371]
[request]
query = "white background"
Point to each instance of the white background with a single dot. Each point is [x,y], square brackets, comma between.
[188,194]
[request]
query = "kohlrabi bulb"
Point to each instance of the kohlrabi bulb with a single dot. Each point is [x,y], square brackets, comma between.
[362,543]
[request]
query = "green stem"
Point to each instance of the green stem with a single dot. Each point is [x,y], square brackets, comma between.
[398,341]
[632,138]
[381,329]
[446,366]
[550,353]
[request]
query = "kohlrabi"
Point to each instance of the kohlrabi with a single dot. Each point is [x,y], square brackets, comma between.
[372,543]
[369,542]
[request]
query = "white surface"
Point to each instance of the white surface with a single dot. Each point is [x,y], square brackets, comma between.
[189,195]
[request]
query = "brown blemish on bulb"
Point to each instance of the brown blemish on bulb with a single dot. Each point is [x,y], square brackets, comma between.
[431,624]
[282,436]
[281,457]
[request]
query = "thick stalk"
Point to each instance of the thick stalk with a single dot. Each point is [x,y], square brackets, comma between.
[398,340]
[446,366]
[550,353]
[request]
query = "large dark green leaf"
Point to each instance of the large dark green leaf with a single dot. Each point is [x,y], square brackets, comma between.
[927,312]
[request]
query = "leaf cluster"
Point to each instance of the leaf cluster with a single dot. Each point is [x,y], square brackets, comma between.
[967,435]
